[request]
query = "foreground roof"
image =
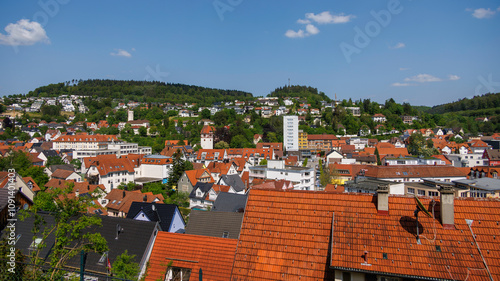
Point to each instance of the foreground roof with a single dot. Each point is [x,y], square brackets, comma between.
[213,255]
[297,235]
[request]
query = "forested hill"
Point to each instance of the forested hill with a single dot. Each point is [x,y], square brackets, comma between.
[142,91]
[485,105]
[309,93]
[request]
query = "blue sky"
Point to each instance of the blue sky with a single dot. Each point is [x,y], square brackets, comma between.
[421,52]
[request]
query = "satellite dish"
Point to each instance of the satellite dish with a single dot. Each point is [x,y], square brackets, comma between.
[422,207]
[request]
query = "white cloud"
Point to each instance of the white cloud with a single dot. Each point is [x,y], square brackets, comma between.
[311,29]
[453,77]
[121,53]
[301,21]
[422,78]
[397,84]
[403,68]
[24,32]
[295,34]
[325,17]
[398,46]
[483,13]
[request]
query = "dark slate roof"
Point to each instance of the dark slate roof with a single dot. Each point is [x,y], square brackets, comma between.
[214,223]
[50,153]
[234,181]
[230,202]
[203,186]
[67,167]
[23,231]
[134,237]
[163,213]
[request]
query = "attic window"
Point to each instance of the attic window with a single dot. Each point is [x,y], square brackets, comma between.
[438,248]
[384,256]
[225,234]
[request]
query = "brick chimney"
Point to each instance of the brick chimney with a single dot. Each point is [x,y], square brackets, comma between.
[447,207]
[383,200]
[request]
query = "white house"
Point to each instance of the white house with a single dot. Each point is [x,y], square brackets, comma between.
[302,177]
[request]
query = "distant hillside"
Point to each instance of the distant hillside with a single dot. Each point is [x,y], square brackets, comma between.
[311,94]
[485,105]
[142,91]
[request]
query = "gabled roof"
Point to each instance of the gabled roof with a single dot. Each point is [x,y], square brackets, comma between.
[207,129]
[68,167]
[230,202]
[211,154]
[121,200]
[213,255]
[195,175]
[321,137]
[106,164]
[61,174]
[413,171]
[162,213]
[204,187]
[492,154]
[87,138]
[214,224]
[81,187]
[27,180]
[297,235]
[234,181]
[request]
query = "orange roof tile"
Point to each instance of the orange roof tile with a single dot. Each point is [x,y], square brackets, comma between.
[36,188]
[61,174]
[413,171]
[207,129]
[121,200]
[195,175]
[213,255]
[87,138]
[297,235]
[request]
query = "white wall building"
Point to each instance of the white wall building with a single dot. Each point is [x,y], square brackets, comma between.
[291,132]
[467,160]
[302,177]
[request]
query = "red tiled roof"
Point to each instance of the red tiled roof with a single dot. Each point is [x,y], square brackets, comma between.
[35,185]
[121,200]
[413,171]
[321,137]
[81,187]
[87,138]
[207,129]
[240,163]
[442,157]
[273,145]
[213,255]
[219,168]
[195,175]
[334,188]
[61,174]
[220,188]
[155,161]
[297,235]
[109,163]
[210,154]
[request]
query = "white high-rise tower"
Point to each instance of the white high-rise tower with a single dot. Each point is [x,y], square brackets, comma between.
[291,132]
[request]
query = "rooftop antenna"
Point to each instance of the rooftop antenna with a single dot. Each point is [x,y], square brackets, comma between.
[469,224]
[420,207]
[288,82]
